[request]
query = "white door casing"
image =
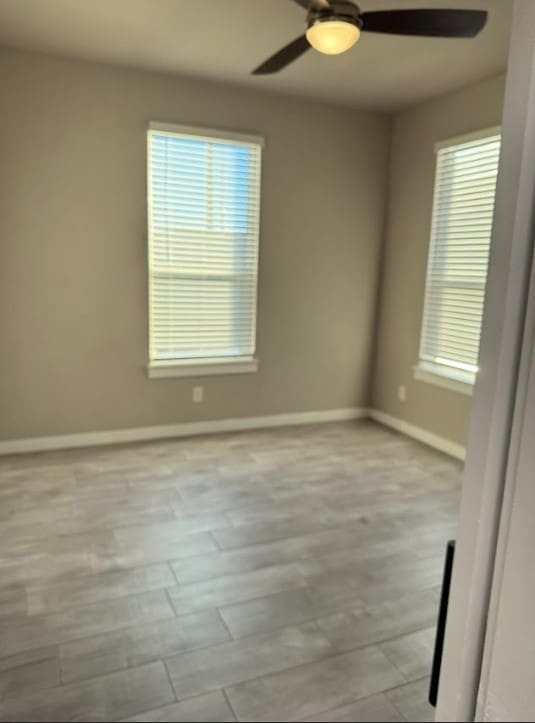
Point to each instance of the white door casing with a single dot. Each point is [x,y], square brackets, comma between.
[507,691]
[493,412]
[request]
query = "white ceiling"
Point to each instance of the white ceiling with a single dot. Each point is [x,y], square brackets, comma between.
[226,39]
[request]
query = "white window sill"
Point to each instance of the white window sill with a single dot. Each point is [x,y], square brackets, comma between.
[201,368]
[445,378]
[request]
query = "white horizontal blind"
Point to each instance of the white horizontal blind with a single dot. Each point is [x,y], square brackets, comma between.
[204,204]
[463,209]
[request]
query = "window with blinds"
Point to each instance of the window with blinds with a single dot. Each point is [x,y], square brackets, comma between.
[463,208]
[204,204]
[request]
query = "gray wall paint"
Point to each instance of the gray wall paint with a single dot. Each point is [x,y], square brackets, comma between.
[408,223]
[73,304]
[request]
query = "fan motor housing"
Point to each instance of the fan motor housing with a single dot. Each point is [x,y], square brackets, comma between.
[342,10]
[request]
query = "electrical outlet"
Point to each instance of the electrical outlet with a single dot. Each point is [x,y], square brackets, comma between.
[198,395]
[402,393]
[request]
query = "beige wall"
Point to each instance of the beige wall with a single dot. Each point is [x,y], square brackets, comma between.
[414,133]
[73,292]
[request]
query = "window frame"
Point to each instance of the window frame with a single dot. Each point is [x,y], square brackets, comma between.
[192,367]
[443,375]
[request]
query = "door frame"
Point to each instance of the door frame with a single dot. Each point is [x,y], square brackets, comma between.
[489,705]
[493,432]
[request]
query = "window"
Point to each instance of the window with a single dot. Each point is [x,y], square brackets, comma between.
[463,208]
[204,204]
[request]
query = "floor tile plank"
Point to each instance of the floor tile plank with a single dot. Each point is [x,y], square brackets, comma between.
[411,701]
[27,672]
[380,622]
[141,644]
[376,709]
[234,588]
[118,695]
[311,689]
[412,654]
[89,589]
[210,708]
[26,633]
[202,671]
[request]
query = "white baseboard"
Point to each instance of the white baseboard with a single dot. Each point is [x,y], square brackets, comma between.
[188,429]
[192,429]
[422,435]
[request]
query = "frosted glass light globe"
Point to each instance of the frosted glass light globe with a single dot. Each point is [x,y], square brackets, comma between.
[332,37]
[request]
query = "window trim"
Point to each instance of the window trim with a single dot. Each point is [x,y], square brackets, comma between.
[202,367]
[192,367]
[442,375]
[207,133]
[467,138]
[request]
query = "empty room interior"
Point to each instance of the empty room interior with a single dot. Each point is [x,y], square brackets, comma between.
[241,298]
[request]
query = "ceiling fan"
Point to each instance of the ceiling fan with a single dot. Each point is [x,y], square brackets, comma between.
[334,26]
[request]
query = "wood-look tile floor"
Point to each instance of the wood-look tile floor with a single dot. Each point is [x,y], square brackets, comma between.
[279,575]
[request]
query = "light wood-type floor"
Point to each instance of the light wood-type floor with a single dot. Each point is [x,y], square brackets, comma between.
[279,575]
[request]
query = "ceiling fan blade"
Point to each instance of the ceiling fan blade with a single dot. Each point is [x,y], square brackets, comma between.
[284,57]
[437,23]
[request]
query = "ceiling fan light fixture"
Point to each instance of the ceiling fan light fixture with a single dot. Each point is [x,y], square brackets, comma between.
[332,36]
[334,26]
